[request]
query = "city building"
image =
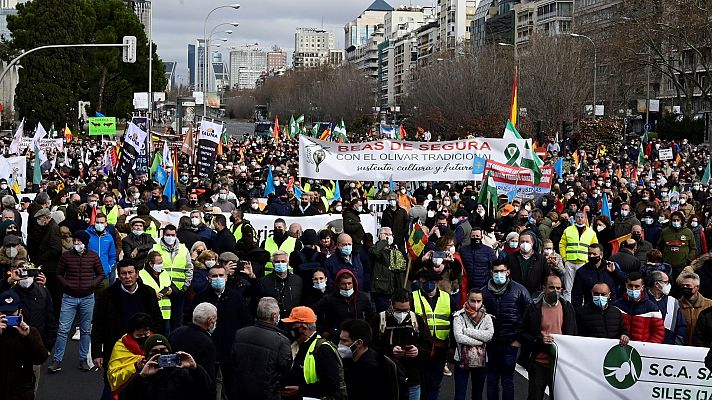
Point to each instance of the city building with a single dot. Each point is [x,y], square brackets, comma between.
[191,66]
[247,64]
[312,47]
[427,40]
[142,9]
[455,18]
[543,17]
[170,73]
[220,79]
[359,34]
[7,7]
[276,59]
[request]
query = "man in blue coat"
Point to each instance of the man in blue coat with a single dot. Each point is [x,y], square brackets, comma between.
[476,259]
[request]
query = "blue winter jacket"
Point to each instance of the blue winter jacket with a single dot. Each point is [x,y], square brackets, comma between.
[105,247]
[476,260]
[508,310]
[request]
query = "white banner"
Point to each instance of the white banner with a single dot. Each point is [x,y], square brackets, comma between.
[634,372]
[45,144]
[264,224]
[665,154]
[384,160]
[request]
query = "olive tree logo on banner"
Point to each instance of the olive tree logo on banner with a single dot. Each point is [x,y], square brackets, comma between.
[622,366]
[315,154]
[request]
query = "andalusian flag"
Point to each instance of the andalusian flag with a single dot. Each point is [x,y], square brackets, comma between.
[293,127]
[340,132]
[510,132]
[315,130]
[488,194]
[417,241]
[514,108]
[641,155]
[532,161]
[708,172]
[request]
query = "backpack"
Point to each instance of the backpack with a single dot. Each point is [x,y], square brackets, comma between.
[382,323]
[397,378]
[308,266]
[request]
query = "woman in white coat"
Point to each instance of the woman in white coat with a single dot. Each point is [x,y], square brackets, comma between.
[473,328]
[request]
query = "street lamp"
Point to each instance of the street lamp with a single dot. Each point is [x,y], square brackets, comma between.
[516,56]
[595,66]
[205,51]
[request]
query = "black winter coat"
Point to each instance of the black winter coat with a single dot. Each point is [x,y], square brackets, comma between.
[38,312]
[19,354]
[532,339]
[224,241]
[398,221]
[169,383]
[333,309]
[196,341]
[508,310]
[536,276]
[260,362]
[353,227]
[702,337]
[143,244]
[287,292]
[627,261]
[592,321]
[109,321]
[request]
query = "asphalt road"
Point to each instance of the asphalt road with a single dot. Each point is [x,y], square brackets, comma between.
[72,383]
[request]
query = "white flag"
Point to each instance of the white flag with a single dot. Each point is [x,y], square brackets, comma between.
[15,145]
[167,159]
[40,134]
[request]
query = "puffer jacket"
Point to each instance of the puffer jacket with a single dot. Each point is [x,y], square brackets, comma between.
[642,318]
[261,359]
[78,273]
[702,266]
[592,321]
[104,246]
[476,260]
[287,291]
[702,337]
[19,354]
[507,309]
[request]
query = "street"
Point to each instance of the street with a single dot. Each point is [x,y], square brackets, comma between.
[79,385]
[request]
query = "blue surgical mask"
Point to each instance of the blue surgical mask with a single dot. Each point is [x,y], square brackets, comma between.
[320,285]
[217,283]
[346,293]
[500,278]
[346,250]
[633,294]
[677,225]
[429,286]
[600,301]
[280,268]
[137,233]
[99,227]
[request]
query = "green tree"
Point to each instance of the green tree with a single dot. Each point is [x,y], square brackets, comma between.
[53,81]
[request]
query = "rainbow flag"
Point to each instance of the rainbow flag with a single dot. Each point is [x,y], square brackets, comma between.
[417,241]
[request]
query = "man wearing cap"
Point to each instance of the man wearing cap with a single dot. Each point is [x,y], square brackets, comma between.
[79,272]
[138,243]
[434,306]
[44,246]
[21,348]
[317,370]
[396,218]
[11,247]
[261,356]
[187,381]
[573,248]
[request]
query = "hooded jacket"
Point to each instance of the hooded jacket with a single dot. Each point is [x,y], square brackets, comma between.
[333,309]
[642,319]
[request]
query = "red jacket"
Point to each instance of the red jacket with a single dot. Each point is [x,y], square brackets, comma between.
[79,274]
[642,319]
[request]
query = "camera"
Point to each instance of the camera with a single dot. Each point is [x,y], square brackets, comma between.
[30,272]
[13,320]
[168,360]
[439,254]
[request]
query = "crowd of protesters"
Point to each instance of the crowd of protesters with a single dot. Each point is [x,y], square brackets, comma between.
[339,312]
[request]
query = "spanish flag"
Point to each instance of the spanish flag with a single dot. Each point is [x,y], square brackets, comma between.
[67,134]
[575,156]
[514,109]
[275,132]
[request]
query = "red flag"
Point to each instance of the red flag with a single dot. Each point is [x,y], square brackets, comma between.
[275,132]
[93,216]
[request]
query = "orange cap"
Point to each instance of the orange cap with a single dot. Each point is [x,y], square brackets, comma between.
[301,314]
[508,209]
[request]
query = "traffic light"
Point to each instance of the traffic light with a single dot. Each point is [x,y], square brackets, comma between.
[129,53]
[567,129]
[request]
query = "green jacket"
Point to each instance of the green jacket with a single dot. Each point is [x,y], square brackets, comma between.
[678,246]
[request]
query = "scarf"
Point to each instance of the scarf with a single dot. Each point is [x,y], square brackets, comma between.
[474,315]
[497,290]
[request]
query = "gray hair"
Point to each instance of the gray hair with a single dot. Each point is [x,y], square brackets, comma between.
[657,276]
[266,307]
[8,201]
[295,228]
[688,275]
[8,212]
[385,229]
[280,253]
[203,312]
[42,198]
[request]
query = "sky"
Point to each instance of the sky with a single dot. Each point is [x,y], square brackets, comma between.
[176,23]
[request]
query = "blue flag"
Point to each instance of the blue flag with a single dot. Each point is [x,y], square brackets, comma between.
[298,192]
[100,115]
[605,210]
[559,167]
[269,186]
[392,185]
[160,176]
[478,166]
[337,192]
[170,189]
[511,195]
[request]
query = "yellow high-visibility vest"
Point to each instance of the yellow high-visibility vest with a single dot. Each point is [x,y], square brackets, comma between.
[438,320]
[271,246]
[164,281]
[575,249]
[175,267]
[112,216]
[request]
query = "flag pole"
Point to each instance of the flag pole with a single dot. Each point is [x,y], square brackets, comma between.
[407,272]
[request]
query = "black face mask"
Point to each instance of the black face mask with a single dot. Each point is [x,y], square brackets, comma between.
[141,341]
[637,237]
[294,333]
[686,292]
[476,241]
[551,297]
[594,260]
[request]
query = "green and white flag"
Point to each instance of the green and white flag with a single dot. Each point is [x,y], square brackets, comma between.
[315,130]
[641,155]
[488,194]
[510,132]
[532,161]
[708,173]
[293,127]
[340,131]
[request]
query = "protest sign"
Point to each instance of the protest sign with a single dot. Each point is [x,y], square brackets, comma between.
[633,372]
[508,178]
[665,154]
[45,144]
[102,126]
[383,160]
[208,141]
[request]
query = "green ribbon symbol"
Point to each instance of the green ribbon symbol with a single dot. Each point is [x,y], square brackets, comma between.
[512,154]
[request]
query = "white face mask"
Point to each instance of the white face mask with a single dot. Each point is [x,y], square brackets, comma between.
[665,288]
[548,252]
[79,247]
[400,316]
[170,240]
[195,221]
[437,261]
[25,283]
[389,239]
[526,247]
[158,267]
[11,252]
[210,263]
